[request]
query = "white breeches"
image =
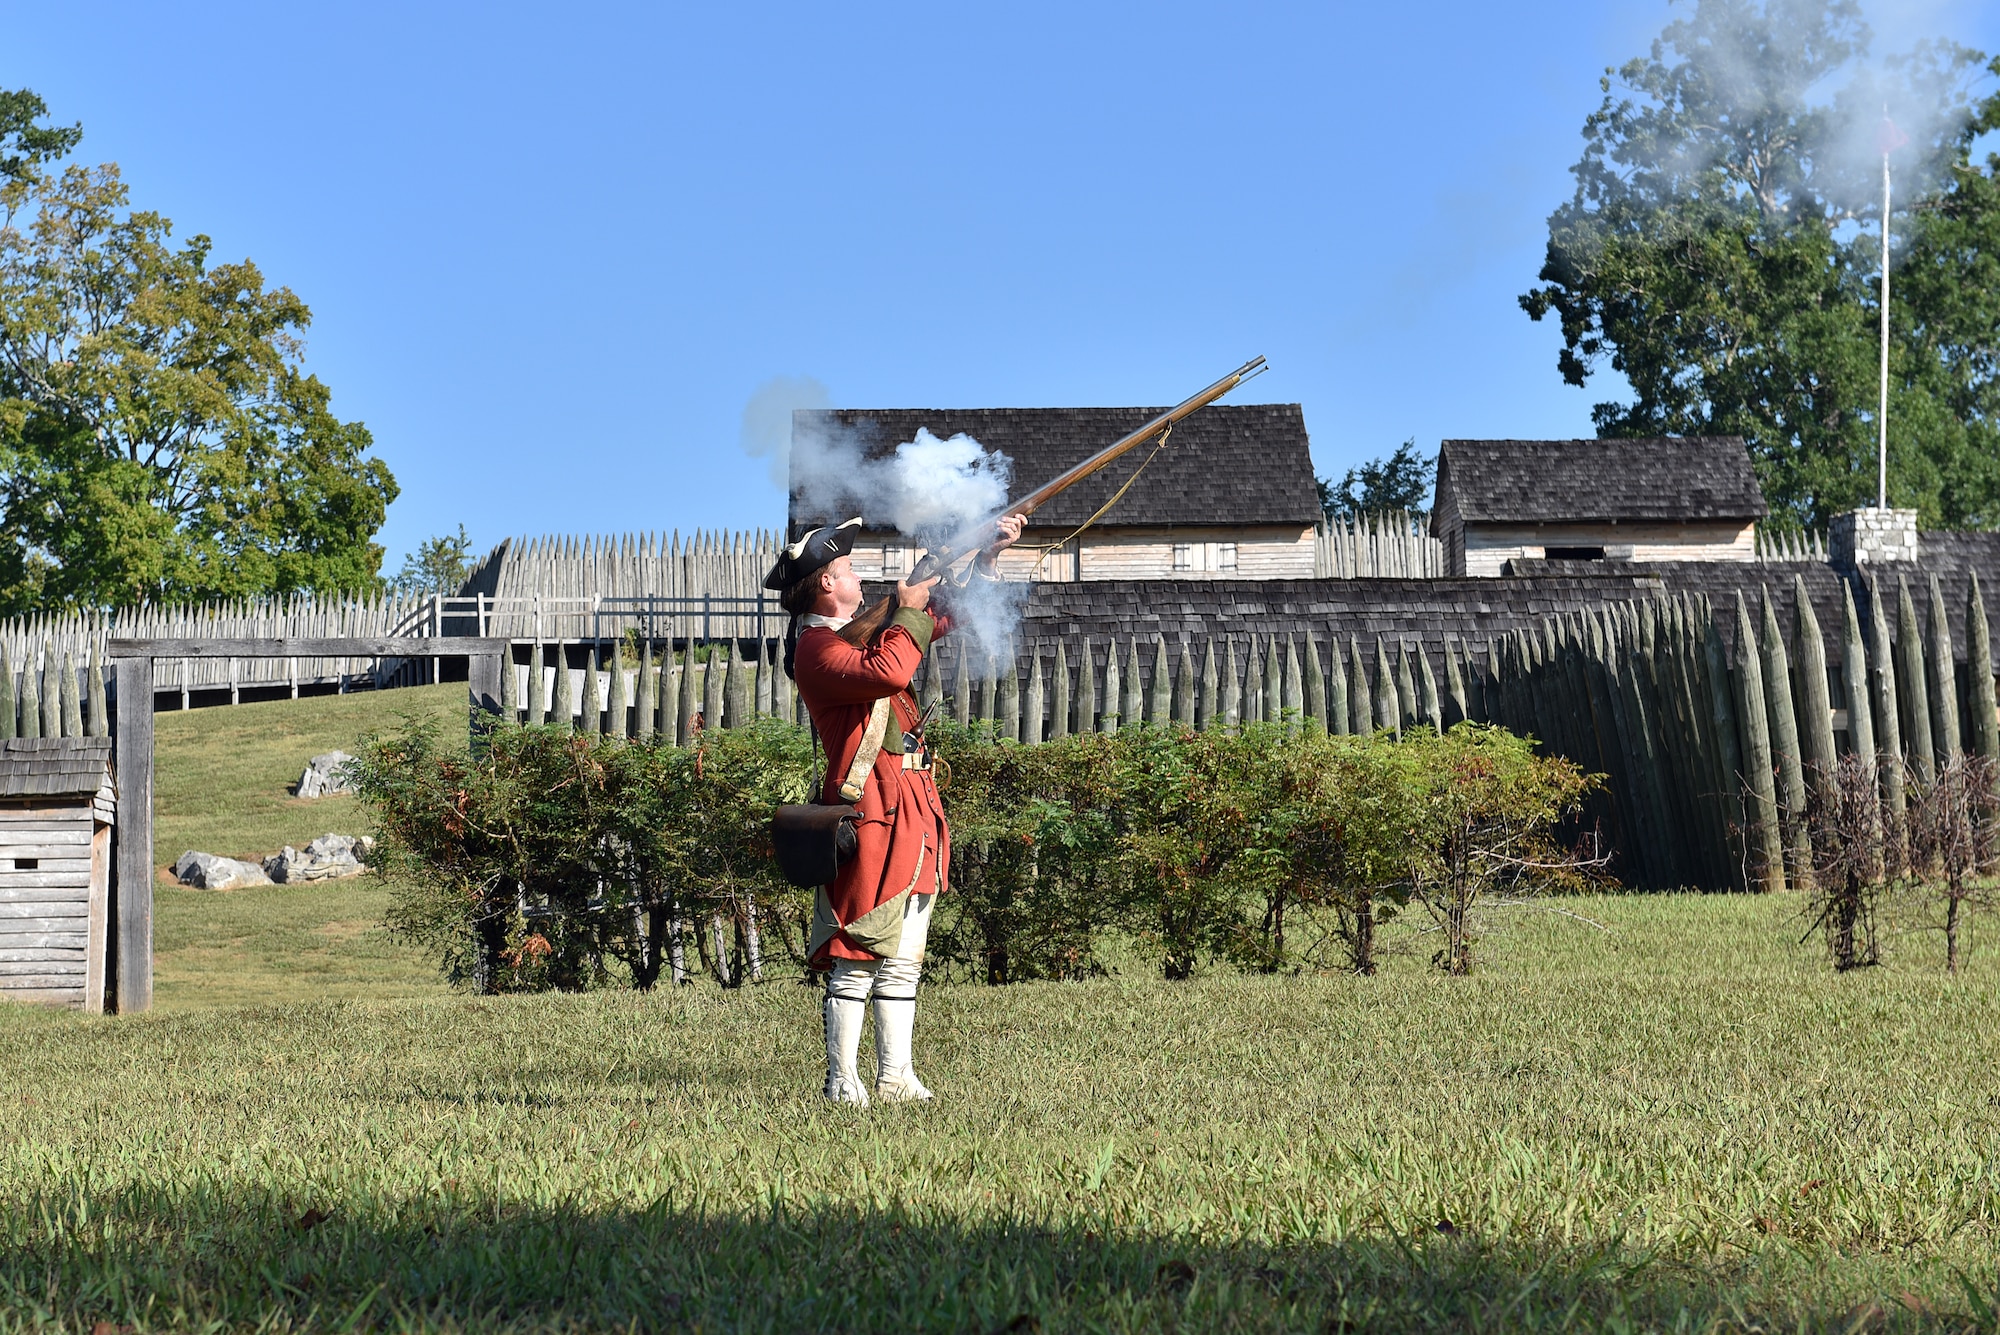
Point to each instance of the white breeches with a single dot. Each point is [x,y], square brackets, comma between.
[896,975]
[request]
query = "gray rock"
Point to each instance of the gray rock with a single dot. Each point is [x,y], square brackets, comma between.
[326,775]
[206,871]
[324,859]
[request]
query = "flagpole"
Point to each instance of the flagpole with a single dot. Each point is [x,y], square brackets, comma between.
[1882,407]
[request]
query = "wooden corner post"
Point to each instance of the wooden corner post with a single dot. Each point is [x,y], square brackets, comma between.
[132,884]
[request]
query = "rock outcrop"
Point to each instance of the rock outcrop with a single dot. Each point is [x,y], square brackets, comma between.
[206,871]
[324,859]
[326,775]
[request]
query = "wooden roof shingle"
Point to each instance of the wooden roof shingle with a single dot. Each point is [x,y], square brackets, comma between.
[1665,478]
[1228,464]
[54,766]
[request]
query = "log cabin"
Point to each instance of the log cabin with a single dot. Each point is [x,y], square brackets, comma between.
[1685,498]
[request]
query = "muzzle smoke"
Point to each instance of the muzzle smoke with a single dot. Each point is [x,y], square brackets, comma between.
[926,489]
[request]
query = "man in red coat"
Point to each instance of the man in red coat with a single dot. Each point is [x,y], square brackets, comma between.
[870,925]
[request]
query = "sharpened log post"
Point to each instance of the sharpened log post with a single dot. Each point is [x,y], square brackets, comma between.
[483,679]
[132,757]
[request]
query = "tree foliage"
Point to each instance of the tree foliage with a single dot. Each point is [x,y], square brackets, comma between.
[159,436]
[1398,481]
[439,565]
[1722,251]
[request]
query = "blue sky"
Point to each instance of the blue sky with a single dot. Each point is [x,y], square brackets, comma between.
[552,252]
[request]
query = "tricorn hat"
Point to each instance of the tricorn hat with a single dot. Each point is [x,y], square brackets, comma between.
[817,549]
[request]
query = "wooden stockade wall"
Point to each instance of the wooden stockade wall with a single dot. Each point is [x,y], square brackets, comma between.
[1709,723]
[33,645]
[1394,544]
[603,585]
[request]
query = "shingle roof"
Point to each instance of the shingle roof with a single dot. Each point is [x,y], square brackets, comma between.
[1542,481]
[54,766]
[1228,464]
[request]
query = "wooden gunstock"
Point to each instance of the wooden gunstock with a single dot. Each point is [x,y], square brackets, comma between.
[869,621]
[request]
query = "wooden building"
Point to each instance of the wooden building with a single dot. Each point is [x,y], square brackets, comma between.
[1231,496]
[57,806]
[1688,498]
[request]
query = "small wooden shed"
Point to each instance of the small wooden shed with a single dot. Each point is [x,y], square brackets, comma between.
[58,802]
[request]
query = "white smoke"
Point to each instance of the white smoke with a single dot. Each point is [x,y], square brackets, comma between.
[925,489]
[767,420]
[1771,82]
[928,489]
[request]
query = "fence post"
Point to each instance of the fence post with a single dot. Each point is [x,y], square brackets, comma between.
[1911,685]
[1776,666]
[1160,697]
[1109,720]
[1086,689]
[1207,708]
[1131,687]
[1008,706]
[1059,704]
[132,751]
[1979,666]
[1185,686]
[1884,692]
[1360,703]
[1815,704]
[1943,679]
[1767,841]
[1032,707]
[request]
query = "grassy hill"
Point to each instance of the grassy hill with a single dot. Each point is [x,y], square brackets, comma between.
[222,780]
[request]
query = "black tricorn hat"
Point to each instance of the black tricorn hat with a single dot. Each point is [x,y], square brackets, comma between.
[815,551]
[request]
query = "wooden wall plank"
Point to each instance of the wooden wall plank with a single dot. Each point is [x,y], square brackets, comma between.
[28,940]
[132,878]
[76,833]
[43,996]
[97,943]
[47,862]
[16,881]
[50,911]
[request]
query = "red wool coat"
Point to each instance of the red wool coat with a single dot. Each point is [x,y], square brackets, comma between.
[905,845]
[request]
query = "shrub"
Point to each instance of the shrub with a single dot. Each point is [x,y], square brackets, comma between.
[1033,836]
[551,860]
[549,856]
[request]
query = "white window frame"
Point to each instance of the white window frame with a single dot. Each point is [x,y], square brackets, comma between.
[1225,556]
[1184,558]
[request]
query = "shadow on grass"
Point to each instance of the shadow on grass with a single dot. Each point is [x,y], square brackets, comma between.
[275,1264]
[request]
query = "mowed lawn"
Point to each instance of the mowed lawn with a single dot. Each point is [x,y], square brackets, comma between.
[1682,1122]
[222,780]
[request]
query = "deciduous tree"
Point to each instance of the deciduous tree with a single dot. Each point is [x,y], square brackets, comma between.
[1722,251]
[160,437]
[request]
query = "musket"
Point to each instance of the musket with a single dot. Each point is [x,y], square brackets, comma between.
[869,621]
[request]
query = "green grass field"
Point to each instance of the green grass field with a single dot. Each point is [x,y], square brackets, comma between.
[221,777]
[1684,1122]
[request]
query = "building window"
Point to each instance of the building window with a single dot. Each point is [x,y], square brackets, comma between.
[892,561]
[1225,556]
[1576,553]
[1184,556]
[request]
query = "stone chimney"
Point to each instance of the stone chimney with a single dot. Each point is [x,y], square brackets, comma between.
[1869,536]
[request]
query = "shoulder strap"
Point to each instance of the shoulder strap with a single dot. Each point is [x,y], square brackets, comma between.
[871,747]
